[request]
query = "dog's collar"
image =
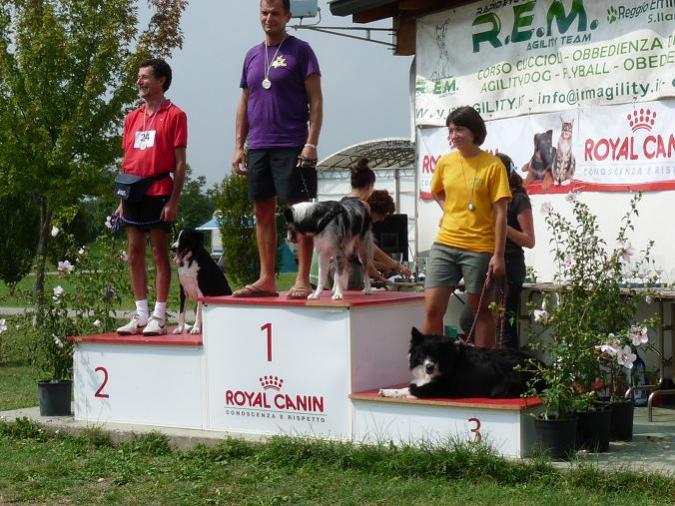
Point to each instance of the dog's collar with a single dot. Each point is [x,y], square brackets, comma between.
[323,222]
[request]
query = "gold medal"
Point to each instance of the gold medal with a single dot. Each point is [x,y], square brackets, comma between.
[266,83]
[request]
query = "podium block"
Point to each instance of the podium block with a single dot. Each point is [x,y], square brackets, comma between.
[278,366]
[140,380]
[504,424]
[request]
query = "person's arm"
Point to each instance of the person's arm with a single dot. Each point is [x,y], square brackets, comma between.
[241,129]
[374,273]
[388,263]
[524,237]
[315,100]
[496,265]
[170,210]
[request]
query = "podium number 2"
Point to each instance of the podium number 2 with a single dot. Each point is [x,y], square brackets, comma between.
[268,327]
[99,392]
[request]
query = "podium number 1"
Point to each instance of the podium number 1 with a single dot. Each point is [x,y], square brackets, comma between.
[268,327]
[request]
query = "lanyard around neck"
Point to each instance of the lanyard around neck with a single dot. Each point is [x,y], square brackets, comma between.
[152,116]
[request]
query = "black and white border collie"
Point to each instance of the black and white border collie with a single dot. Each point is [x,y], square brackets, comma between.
[444,367]
[198,274]
[340,230]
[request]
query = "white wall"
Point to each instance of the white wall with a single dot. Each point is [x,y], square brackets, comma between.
[655,221]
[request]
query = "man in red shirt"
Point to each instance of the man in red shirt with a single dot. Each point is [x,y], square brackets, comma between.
[154,143]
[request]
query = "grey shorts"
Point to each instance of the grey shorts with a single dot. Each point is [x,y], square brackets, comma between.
[446,266]
[274,172]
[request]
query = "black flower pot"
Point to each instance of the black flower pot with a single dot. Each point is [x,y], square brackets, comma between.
[621,428]
[556,437]
[593,428]
[55,397]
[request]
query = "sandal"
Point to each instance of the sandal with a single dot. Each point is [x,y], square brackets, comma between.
[299,292]
[250,291]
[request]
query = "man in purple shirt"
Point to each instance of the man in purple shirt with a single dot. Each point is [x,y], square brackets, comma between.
[281,93]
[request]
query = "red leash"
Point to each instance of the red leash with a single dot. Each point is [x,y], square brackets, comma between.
[502,309]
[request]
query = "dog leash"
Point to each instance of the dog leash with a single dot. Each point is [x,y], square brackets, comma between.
[502,305]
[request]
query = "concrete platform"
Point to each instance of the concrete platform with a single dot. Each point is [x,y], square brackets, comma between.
[652,448]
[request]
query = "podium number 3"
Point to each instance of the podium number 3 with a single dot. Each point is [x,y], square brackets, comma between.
[99,392]
[268,327]
[476,430]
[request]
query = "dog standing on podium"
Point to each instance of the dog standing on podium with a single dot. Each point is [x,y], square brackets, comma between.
[340,230]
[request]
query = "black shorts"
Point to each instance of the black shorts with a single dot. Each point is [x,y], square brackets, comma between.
[274,172]
[144,215]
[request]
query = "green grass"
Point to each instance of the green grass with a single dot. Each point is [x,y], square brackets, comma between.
[18,387]
[39,466]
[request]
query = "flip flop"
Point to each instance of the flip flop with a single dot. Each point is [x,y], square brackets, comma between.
[299,292]
[250,291]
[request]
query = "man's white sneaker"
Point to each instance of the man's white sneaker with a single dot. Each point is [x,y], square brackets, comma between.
[155,327]
[135,326]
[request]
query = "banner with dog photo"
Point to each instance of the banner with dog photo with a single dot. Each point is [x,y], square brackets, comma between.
[620,148]
[513,57]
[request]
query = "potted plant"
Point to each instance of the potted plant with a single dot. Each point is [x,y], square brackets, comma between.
[616,357]
[592,301]
[54,355]
[87,306]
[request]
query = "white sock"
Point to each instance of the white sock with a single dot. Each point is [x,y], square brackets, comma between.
[142,310]
[160,310]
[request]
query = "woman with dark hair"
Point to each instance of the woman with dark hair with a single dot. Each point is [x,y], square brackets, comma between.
[363,184]
[380,205]
[472,188]
[519,235]
[363,181]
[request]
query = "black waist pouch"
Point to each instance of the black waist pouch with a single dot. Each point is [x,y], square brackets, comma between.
[132,188]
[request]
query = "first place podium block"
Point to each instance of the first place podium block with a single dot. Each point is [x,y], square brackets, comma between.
[279,366]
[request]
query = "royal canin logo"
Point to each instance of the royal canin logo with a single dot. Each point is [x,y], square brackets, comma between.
[272,398]
[644,120]
[651,147]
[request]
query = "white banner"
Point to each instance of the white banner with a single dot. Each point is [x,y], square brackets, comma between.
[618,148]
[513,57]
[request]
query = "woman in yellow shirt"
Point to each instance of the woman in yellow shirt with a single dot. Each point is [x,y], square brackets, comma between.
[471,187]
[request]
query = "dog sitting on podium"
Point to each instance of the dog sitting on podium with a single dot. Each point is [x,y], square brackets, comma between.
[444,367]
[340,230]
[199,276]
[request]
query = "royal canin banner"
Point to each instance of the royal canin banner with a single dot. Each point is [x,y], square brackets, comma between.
[614,149]
[514,57]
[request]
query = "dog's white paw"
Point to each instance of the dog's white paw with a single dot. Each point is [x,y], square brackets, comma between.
[395,392]
[179,329]
[337,296]
[368,291]
[195,330]
[314,295]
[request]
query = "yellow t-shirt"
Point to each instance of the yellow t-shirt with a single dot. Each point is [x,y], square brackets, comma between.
[480,180]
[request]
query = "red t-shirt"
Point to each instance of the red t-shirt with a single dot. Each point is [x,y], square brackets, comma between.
[149,144]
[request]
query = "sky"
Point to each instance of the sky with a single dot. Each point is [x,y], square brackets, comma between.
[365,87]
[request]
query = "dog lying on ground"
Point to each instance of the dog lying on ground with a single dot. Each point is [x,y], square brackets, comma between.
[444,367]
[340,230]
[198,274]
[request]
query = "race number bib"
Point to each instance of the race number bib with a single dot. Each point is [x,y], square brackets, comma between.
[145,139]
